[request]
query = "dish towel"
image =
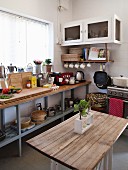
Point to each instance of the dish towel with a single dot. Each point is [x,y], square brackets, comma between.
[116,107]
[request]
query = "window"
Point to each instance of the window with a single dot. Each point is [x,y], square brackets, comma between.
[23,40]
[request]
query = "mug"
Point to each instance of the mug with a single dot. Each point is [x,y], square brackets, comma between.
[77,65]
[82,65]
[66,65]
[71,65]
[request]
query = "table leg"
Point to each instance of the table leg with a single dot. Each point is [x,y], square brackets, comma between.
[62,104]
[107,164]
[18,127]
[54,165]
[2,119]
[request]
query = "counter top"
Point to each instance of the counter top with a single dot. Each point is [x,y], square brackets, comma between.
[27,95]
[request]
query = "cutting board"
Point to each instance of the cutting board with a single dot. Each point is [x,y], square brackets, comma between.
[18,79]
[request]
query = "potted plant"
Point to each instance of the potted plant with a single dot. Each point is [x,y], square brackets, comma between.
[83,107]
[85,120]
[48,66]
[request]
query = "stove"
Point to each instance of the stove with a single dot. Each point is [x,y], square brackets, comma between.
[115,91]
[120,93]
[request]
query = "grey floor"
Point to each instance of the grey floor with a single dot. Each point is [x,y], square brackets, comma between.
[32,160]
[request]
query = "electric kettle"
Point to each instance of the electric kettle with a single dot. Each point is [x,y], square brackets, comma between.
[79,75]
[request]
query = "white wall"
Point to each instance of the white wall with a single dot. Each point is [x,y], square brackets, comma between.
[46,10]
[89,8]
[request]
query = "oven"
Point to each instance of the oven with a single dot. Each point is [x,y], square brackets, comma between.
[120,93]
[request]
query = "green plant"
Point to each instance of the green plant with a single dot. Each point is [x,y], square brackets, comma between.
[48,61]
[83,107]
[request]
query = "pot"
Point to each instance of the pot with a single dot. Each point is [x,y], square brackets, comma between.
[79,76]
[102,79]
[120,81]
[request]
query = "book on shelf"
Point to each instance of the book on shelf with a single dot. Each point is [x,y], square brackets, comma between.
[98,54]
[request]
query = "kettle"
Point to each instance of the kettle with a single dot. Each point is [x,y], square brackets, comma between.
[11,68]
[79,76]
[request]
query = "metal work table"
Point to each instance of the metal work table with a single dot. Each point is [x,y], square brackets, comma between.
[28,95]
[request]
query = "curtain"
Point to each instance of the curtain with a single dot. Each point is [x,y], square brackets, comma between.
[22,40]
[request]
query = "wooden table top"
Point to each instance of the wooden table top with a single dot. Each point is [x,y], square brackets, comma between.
[27,95]
[76,151]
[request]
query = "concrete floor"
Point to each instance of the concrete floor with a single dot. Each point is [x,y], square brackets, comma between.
[32,160]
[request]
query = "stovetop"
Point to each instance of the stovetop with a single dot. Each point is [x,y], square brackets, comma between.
[114,91]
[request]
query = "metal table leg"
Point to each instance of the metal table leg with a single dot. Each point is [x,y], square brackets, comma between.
[18,127]
[2,120]
[62,104]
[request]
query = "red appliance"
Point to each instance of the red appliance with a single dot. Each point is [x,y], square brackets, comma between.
[60,79]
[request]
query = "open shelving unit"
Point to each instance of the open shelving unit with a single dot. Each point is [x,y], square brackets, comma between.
[13,135]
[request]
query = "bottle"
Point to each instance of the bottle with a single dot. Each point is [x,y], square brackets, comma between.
[28,84]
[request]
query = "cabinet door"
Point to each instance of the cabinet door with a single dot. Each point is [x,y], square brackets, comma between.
[72,33]
[98,30]
[116,29]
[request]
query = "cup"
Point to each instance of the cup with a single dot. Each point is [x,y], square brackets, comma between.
[71,65]
[82,65]
[66,65]
[76,65]
[88,65]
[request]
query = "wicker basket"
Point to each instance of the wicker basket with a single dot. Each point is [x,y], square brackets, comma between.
[38,116]
[70,57]
[25,121]
[75,51]
[97,99]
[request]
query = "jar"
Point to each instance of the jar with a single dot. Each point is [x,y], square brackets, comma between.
[28,84]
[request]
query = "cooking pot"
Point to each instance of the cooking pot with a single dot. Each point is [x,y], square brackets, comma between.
[11,68]
[120,81]
[102,79]
[79,76]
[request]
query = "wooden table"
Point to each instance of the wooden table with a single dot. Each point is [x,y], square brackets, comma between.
[83,152]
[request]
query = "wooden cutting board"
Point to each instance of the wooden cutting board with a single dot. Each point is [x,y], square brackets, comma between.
[18,79]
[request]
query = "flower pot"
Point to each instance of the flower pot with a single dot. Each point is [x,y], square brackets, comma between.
[83,124]
[38,68]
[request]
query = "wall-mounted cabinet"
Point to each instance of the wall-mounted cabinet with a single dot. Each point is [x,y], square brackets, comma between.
[92,31]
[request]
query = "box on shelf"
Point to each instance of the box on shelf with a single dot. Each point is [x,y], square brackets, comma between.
[70,57]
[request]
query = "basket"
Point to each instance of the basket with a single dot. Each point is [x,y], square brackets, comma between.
[25,121]
[97,99]
[75,51]
[70,57]
[38,116]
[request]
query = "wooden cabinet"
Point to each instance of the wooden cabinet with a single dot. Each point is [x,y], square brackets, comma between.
[92,31]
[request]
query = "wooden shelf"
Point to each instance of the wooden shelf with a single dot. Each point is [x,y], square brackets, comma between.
[90,61]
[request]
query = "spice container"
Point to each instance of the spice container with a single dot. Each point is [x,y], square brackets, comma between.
[28,84]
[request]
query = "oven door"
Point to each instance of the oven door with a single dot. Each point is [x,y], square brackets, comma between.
[125,107]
